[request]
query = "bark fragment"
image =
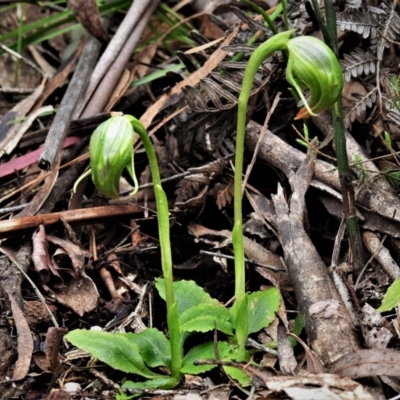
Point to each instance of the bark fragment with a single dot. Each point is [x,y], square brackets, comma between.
[331,334]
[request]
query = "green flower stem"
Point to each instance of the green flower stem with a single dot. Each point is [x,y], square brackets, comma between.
[321,23]
[278,42]
[349,208]
[285,14]
[165,245]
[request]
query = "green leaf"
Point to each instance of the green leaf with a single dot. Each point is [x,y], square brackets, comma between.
[160,383]
[238,375]
[187,294]
[206,317]
[206,323]
[213,310]
[239,355]
[227,352]
[153,346]
[297,329]
[116,350]
[204,351]
[262,307]
[391,298]
[123,396]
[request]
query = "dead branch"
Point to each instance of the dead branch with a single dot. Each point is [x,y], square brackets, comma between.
[327,322]
[84,216]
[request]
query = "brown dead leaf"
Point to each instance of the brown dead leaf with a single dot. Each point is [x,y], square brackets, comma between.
[373,362]
[58,394]
[192,80]
[41,258]
[78,290]
[48,359]
[25,341]
[87,13]
[79,294]
[314,364]
[76,254]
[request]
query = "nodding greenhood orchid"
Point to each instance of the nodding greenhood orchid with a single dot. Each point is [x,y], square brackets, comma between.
[311,64]
[111,151]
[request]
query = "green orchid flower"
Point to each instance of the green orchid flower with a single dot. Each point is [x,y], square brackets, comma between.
[313,64]
[111,151]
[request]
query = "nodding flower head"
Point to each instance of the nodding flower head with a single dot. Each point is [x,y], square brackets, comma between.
[312,64]
[111,151]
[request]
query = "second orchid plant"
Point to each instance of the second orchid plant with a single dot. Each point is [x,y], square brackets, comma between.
[311,64]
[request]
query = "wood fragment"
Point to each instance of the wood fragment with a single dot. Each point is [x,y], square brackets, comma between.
[11,132]
[59,128]
[331,334]
[378,196]
[126,29]
[83,216]
[382,254]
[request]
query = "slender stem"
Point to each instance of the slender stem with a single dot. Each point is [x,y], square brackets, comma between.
[285,14]
[349,209]
[277,42]
[253,39]
[165,245]
[266,17]
[321,23]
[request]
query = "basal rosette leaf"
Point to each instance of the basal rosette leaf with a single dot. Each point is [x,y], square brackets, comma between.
[117,350]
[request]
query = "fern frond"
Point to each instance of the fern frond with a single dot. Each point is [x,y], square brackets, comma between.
[253,24]
[394,115]
[358,62]
[390,91]
[360,104]
[389,27]
[223,192]
[352,4]
[361,21]
[190,193]
[236,48]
